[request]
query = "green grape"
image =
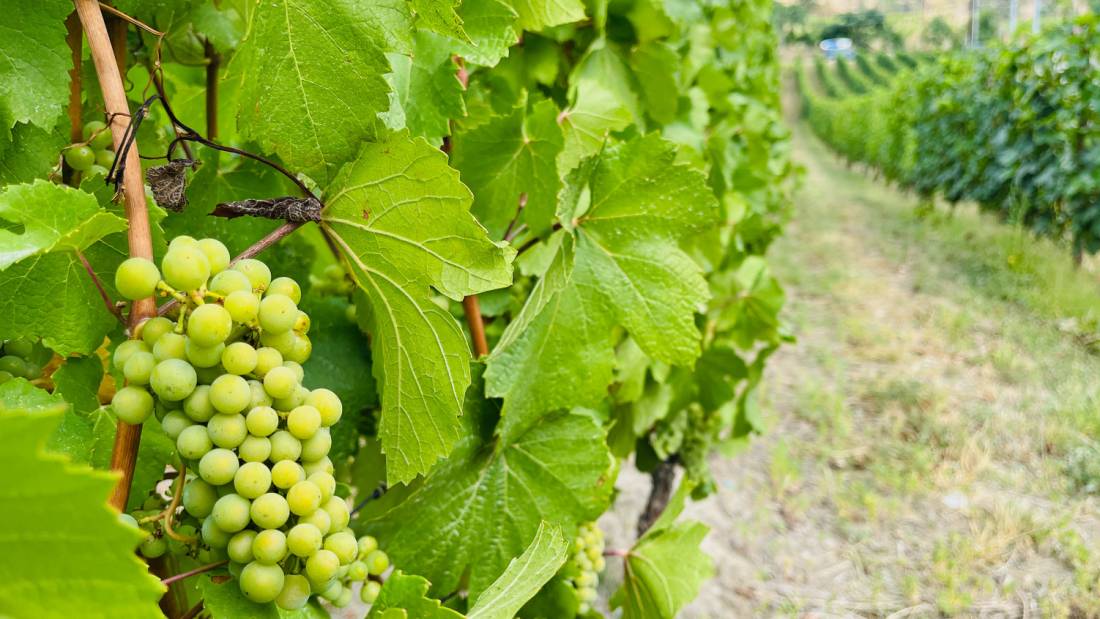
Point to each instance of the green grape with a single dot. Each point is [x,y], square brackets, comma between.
[259,396]
[270,511]
[267,359]
[357,571]
[369,592]
[317,446]
[132,405]
[598,564]
[304,498]
[286,473]
[240,546]
[252,480]
[13,365]
[218,466]
[322,567]
[243,306]
[254,449]
[302,323]
[212,535]
[344,600]
[97,134]
[230,394]
[203,357]
[334,272]
[280,382]
[299,371]
[256,272]
[173,379]
[183,241]
[324,465]
[326,403]
[282,342]
[277,313]
[334,590]
[199,498]
[125,350]
[326,483]
[284,446]
[97,170]
[351,315]
[217,254]
[105,159]
[80,157]
[377,562]
[136,278]
[343,544]
[304,539]
[286,287]
[239,358]
[226,283]
[262,421]
[367,545]
[197,406]
[185,267]
[209,375]
[152,329]
[227,431]
[174,423]
[170,346]
[296,399]
[338,512]
[21,347]
[300,350]
[209,325]
[319,519]
[303,422]
[269,546]
[295,593]
[139,368]
[261,583]
[153,547]
[231,513]
[5,376]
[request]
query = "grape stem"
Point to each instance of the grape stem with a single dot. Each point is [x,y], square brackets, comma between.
[194,612]
[111,306]
[616,553]
[169,512]
[194,572]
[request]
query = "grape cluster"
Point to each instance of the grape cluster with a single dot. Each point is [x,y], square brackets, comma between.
[15,360]
[585,564]
[225,378]
[94,154]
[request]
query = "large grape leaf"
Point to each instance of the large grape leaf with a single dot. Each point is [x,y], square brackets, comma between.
[491,27]
[30,152]
[489,489]
[510,160]
[626,211]
[602,100]
[538,14]
[67,554]
[73,434]
[427,93]
[49,218]
[405,596]
[401,218]
[523,578]
[77,380]
[34,62]
[311,75]
[439,16]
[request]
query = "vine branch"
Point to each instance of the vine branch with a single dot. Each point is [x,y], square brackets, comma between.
[111,307]
[195,572]
[472,309]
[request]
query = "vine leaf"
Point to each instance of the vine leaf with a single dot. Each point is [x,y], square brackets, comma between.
[64,537]
[558,471]
[426,93]
[535,15]
[601,100]
[73,433]
[225,601]
[29,152]
[401,219]
[405,596]
[439,16]
[311,81]
[524,576]
[34,63]
[665,568]
[491,26]
[510,158]
[619,263]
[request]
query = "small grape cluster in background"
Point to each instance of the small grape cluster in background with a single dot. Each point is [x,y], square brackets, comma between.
[224,377]
[93,156]
[585,564]
[16,360]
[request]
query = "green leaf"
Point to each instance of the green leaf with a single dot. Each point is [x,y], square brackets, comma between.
[655,66]
[490,489]
[538,14]
[30,153]
[427,93]
[312,86]
[73,434]
[602,100]
[440,17]
[404,596]
[523,578]
[401,218]
[509,161]
[490,25]
[557,599]
[60,536]
[77,380]
[627,210]
[52,218]
[34,63]
[225,601]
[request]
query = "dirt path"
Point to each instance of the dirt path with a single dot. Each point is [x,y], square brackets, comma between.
[922,429]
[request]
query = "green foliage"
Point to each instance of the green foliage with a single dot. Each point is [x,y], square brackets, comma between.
[866,28]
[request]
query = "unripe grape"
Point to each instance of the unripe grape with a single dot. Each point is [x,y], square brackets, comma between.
[296,399]
[322,567]
[267,358]
[80,157]
[197,406]
[262,421]
[5,376]
[344,600]
[240,546]
[334,590]
[204,357]
[269,546]
[132,405]
[226,283]
[369,592]
[239,358]
[284,446]
[344,545]
[351,315]
[21,347]
[377,562]
[104,159]
[338,512]
[212,535]
[277,313]
[193,442]
[357,571]
[598,564]
[367,545]
[173,379]
[295,593]
[301,349]
[128,520]
[170,346]
[185,267]
[174,423]
[199,498]
[319,519]
[243,306]
[153,547]
[227,431]
[317,446]
[97,134]
[218,466]
[282,342]
[254,449]
[230,394]
[286,287]
[209,325]
[326,483]
[137,278]
[152,329]
[302,323]
[303,422]
[139,368]
[259,395]
[299,371]
[231,513]
[13,365]
[304,498]
[270,511]
[256,272]
[183,240]
[328,404]
[125,350]
[334,272]
[286,473]
[261,583]
[280,382]
[304,539]
[252,480]
[216,254]
[324,465]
